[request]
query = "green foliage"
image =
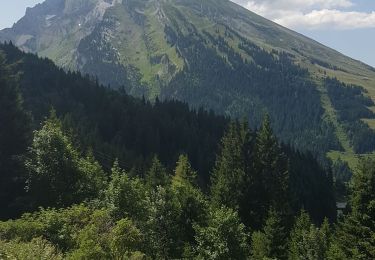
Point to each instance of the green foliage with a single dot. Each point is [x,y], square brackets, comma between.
[311,187]
[58,226]
[307,241]
[93,240]
[275,233]
[52,166]
[126,196]
[335,252]
[125,237]
[188,199]
[157,175]
[229,177]
[94,179]
[36,249]
[271,243]
[185,176]
[15,133]
[272,171]
[363,191]
[101,238]
[55,168]
[356,233]
[303,223]
[223,237]
[352,106]
[259,246]
[81,233]
[162,231]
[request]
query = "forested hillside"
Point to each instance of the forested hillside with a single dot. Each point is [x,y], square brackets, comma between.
[88,172]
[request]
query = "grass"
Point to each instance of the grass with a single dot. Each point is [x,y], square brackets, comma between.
[331,116]
[130,43]
[139,44]
[351,159]
[370,123]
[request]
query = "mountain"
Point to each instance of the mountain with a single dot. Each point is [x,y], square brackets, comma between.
[214,54]
[110,126]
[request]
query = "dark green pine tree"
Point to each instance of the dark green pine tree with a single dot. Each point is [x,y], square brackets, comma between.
[15,136]
[302,225]
[184,175]
[271,243]
[308,241]
[356,234]
[229,177]
[275,232]
[157,175]
[271,171]
[191,203]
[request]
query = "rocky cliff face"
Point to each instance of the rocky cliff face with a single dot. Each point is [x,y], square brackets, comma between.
[55,28]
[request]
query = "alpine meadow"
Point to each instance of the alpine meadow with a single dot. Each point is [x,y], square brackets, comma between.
[181,129]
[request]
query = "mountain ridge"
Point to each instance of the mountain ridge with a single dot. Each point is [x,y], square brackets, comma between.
[247,64]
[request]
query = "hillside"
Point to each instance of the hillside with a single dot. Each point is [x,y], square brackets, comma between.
[214,54]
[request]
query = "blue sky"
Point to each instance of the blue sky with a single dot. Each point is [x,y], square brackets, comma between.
[12,10]
[345,25]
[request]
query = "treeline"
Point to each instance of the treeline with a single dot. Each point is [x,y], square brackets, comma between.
[113,124]
[88,213]
[352,106]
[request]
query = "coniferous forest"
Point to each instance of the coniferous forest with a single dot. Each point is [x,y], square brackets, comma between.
[88,172]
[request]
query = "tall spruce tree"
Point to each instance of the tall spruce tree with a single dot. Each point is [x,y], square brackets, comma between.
[308,241]
[157,175]
[15,136]
[356,234]
[301,226]
[190,201]
[184,175]
[229,177]
[271,243]
[271,171]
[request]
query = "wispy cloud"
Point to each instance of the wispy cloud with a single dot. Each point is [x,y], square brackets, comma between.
[311,14]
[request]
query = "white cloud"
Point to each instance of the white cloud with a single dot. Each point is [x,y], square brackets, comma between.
[325,18]
[311,14]
[296,4]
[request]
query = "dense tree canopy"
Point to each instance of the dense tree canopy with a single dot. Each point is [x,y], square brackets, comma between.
[15,137]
